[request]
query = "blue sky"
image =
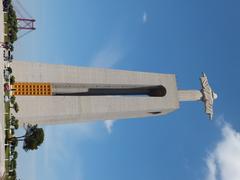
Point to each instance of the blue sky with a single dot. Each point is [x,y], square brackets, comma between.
[182,37]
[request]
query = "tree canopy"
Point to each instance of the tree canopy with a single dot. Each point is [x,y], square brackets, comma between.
[34,137]
[12,80]
[15,107]
[12,24]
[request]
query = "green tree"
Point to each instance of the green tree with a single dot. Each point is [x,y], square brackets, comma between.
[12,22]
[12,36]
[13,164]
[13,147]
[12,178]
[32,139]
[12,131]
[8,46]
[9,69]
[15,154]
[14,122]
[13,119]
[13,99]
[16,126]
[15,107]
[14,142]
[12,173]
[12,80]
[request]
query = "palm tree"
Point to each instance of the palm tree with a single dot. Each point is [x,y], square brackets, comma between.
[32,139]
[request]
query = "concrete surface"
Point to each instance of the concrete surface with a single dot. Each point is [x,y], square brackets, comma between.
[2,108]
[71,109]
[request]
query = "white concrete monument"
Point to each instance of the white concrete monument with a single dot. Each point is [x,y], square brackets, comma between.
[56,94]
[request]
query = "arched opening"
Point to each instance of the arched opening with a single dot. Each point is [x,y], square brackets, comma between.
[159,91]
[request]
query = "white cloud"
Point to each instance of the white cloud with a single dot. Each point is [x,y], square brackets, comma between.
[144,18]
[224,161]
[109,125]
[108,56]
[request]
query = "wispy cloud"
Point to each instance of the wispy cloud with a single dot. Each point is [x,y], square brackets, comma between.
[144,17]
[64,140]
[54,153]
[223,162]
[108,56]
[109,125]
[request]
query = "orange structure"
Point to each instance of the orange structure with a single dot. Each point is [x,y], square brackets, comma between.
[32,89]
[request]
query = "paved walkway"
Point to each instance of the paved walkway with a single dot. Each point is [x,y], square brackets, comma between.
[2,135]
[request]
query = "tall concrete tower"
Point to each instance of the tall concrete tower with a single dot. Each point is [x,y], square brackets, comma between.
[56,94]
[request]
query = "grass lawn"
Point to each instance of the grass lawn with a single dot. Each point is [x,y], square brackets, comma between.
[7,133]
[6,30]
[6,39]
[5,16]
[7,155]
